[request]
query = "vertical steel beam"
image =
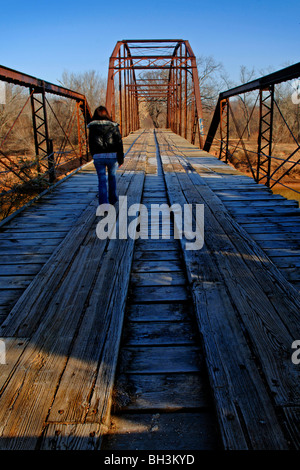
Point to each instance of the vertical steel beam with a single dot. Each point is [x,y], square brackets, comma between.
[40,123]
[186,95]
[224,129]
[82,133]
[180,92]
[198,103]
[265,134]
[120,96]
[51,161]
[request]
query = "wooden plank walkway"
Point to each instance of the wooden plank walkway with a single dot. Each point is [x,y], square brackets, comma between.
[162,397]
[200,340]
[31,236]
[248,313]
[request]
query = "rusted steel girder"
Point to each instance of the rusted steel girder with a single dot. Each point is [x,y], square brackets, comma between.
[261,168]
[19,78]
[262,83]
[156,71]
[38,89]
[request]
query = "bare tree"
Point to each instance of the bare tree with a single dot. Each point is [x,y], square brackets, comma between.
[20,132]
[246,76]
[211,82]
[89,83]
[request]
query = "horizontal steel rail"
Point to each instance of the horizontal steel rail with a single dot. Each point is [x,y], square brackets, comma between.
[288,73]
[25,80]
[262,169]
[19,180]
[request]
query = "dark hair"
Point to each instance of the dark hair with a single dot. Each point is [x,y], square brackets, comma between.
[101,113]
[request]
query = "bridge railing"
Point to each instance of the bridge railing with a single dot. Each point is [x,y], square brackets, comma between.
[52,121]
[266,165]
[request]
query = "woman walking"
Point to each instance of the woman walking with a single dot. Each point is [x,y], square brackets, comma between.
[106,147]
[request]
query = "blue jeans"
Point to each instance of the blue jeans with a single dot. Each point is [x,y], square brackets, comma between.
[101,162]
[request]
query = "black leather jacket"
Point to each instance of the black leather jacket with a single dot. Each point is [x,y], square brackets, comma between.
[105,137]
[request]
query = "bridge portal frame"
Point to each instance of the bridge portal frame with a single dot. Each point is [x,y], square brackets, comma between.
[176,83]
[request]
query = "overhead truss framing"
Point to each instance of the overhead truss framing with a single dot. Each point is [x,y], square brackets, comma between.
[161,71]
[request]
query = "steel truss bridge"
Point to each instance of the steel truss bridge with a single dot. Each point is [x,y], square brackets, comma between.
[150,71]
[139,342]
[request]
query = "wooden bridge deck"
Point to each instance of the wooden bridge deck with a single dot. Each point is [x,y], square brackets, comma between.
[203,356]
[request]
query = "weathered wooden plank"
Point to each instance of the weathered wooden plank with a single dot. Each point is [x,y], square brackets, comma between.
[272,229]
[170,278]
[28,250]
[286,261]
[73,437]
[229,355]
[61,205]
[244,220]
[35,380]
[39,216]
[19,269]
[260,205]
[70,198]
[292,244]
[161,359]
[161,266]
[57,263]
[28,224]
[9,297]
[52,211]
[267,211]
[46,360]
[158,333]
[159,312]
[98,339]
[157,245]
[269,320]
[286,236]
[292,423]
[16,282]
[64,203]
[14,235]
[232,195]
[157,431]
[154,255]
[288,252]
[8,243]
[291,273]
[13,347]
[172,293]
[168,392]
[34,228]
[260,390]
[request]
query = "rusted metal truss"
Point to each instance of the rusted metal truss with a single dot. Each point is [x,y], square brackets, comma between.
[38,91]
[262,170]
[161,71]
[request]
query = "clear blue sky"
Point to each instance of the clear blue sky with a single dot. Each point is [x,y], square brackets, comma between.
[43,38]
